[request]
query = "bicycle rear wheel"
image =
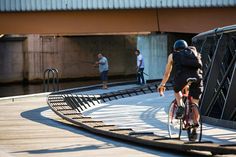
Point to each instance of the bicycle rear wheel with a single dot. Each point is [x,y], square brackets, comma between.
[174,125]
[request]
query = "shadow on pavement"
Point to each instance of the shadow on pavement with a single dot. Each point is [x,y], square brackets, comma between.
[36,116]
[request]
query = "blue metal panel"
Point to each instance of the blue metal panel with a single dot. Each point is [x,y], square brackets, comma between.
[174,4]
[80,4]
[126,4]
[12,5]
[197,2]
[42,5]
[116,4]
[168,3]
[181,3]
[208,3]
[2,5]
[7,4]
[137,4]
[38,5]
[203,3]
[148,4]
[153,3]
[111,4]
[143,2]
[90,4]
[232,2]
[54,4]
[33,2]
[164,4]
[18,6]
[68,5]
[85,4]
[104,4]
[132,3]
[219,3]
[23,7]
[225,2]
[99,4]
[186,3]
[73,4]
[94,3]
[191,3]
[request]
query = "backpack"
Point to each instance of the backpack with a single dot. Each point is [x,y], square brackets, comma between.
[190,59]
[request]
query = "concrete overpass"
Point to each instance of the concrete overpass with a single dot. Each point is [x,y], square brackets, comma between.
[156,24]
[113,16]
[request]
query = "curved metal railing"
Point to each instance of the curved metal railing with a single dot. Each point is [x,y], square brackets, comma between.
[218,49]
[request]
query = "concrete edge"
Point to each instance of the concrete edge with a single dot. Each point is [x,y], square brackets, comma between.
[219,122]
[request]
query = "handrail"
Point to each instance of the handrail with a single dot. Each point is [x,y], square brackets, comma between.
[55,79]
[215,32]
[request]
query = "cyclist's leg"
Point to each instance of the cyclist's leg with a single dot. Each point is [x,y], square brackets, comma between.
[195,92]
[178,97]
[196,115]
[179,84]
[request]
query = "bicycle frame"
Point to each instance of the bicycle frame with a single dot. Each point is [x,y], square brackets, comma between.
[186,123]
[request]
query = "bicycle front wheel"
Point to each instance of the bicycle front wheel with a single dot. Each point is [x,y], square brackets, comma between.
[174,125]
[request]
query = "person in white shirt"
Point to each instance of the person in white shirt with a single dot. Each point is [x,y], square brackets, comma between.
[140,67]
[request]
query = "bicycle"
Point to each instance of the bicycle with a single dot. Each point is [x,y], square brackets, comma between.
[175,126]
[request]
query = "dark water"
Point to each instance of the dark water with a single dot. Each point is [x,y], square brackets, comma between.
[19,89]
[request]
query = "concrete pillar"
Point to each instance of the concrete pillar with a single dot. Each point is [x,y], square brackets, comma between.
[11,59]
[153,47]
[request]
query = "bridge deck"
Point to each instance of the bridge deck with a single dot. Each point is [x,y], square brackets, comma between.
[148,113]
[29,128]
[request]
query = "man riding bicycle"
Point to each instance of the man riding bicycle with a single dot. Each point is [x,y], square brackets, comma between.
[187,64]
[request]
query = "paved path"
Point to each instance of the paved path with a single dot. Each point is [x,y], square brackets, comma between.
[28,128]
[149,113]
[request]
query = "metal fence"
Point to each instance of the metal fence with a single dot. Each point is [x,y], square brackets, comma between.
[218,49]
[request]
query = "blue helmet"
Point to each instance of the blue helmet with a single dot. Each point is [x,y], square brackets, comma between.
[180,45]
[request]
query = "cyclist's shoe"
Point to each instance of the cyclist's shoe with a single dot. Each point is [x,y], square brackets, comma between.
[180,112]
[193,136]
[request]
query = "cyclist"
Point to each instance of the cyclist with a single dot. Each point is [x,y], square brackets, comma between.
[192,69]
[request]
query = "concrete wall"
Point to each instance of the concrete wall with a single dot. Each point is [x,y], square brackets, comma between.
[154,50]
[72,56]
[11,60]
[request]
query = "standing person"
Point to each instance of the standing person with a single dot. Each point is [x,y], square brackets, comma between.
[140,67]
[187,63]
[103,69]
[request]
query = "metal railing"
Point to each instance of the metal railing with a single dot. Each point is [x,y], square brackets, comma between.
[46,80]
[218,49]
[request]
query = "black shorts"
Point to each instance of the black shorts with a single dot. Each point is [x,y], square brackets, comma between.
[103,75]
[196,88]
